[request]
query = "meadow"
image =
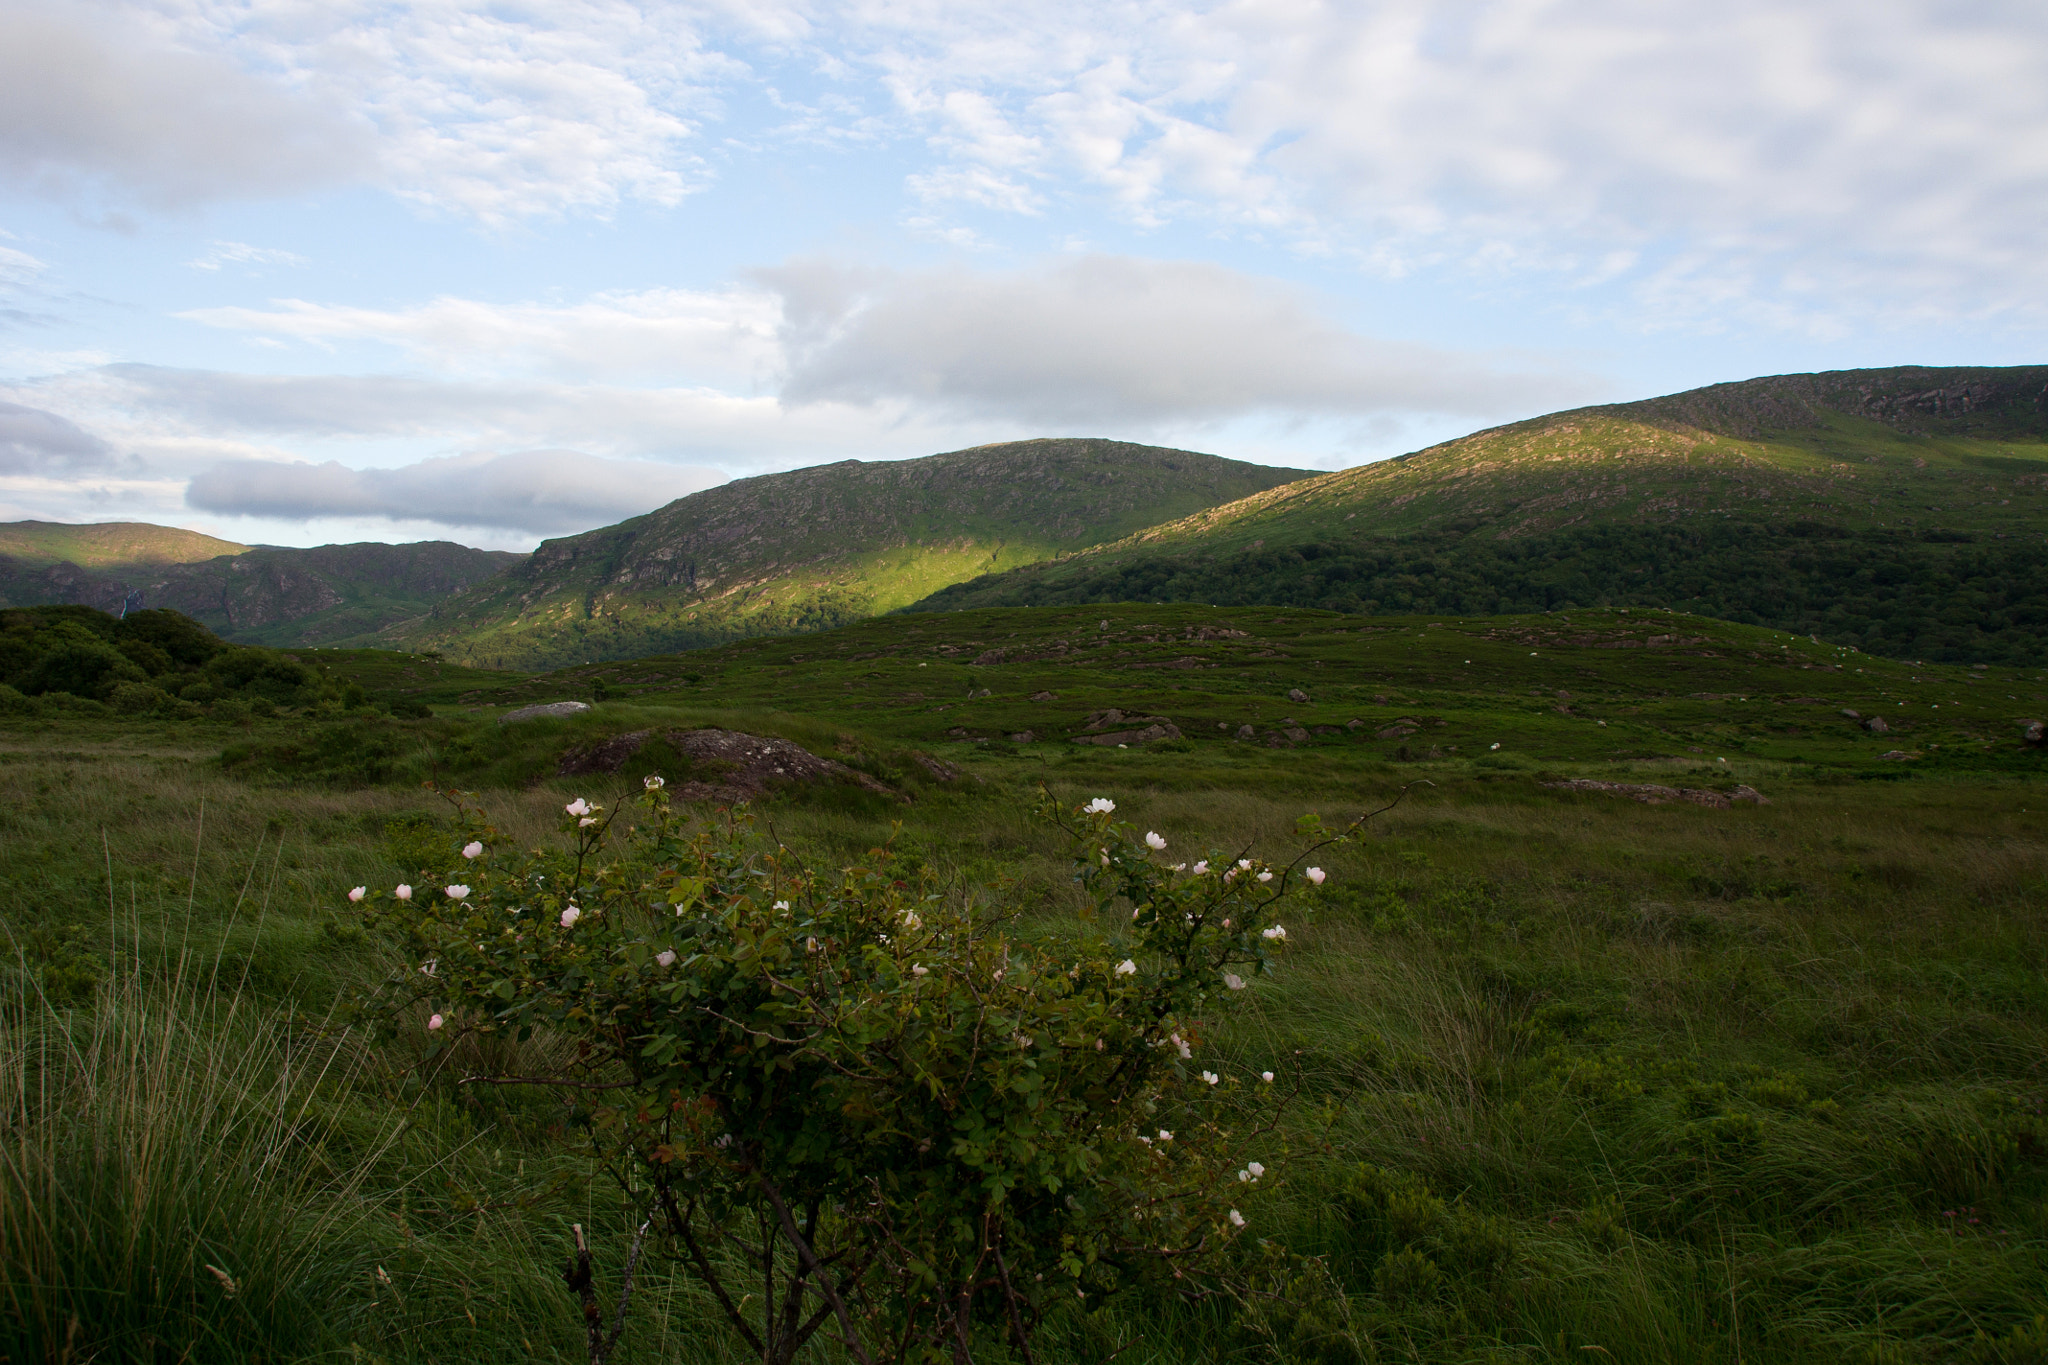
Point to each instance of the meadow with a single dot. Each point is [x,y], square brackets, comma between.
[1580,1076]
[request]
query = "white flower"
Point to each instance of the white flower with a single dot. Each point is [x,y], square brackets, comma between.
[1201,867]
[1494,746]
[810,945]
[910,919]
[1180,867]
[1155,840]
[357,893]
[1233,980]
[666,957]
[570,916]
[1244,864]
[1316,875]
[1255,1168]
[1136,911]
[457,891]
[1278,931]
[1243,1176]
[1165,1135]
[586,820]
[435,1021]
[1265,876]
[1142,1138]
[920,971]
[653,784]
[472,849]
[1210,1077]
[782,905]
[1266,1076]
[1101,805]
[578,807]
[1099,1045]
[431,967]
[722,1140]
[402,891]
[1236,1219]
[1185,1051]
[1127,968]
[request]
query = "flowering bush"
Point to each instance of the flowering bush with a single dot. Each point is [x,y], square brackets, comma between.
[921,1119]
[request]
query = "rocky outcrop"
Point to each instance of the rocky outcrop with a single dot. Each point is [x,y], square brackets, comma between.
[720,765]
[1653,794]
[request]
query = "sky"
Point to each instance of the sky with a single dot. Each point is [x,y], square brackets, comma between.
[303,271]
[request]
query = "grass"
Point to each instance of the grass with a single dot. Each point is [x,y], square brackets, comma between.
[1580,1077]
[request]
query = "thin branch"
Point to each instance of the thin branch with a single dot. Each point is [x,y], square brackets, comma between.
[816,1268]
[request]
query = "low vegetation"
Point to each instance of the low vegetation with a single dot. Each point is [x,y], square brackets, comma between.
[1639,1067]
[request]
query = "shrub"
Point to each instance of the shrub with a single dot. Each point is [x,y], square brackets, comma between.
[933,1118]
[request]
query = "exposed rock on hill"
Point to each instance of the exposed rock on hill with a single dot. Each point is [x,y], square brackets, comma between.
[720,765]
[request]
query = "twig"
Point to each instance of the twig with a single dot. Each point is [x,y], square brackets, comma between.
[816,1269]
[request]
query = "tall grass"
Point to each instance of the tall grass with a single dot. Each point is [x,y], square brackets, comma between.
[178,1182]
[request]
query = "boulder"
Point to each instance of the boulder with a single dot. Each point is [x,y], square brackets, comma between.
[1246,732]
[1655,794]
[1296,694]
[1044,696]
[1876,726]
[938,768]
[737,766]
[545,711]
[2034,732]
[1119,738]
[1023,737]
[1852,715]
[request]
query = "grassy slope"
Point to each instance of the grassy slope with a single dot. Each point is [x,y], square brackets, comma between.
[101,544]
[1850,451]
[1728,1084]
[819,547]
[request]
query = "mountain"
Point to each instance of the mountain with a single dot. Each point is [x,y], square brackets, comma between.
[819,547]
[39,544]
[1901,509]
[265,595]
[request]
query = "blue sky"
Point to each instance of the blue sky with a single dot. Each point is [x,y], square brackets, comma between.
[297,271]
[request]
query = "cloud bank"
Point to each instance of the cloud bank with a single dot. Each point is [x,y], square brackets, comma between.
[546,492]
[35,442]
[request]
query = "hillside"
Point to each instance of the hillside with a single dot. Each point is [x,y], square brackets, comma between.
[40,544]
[1901,508]
[819,547]
[267,595]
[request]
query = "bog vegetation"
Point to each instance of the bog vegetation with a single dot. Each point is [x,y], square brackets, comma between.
[1559,1073]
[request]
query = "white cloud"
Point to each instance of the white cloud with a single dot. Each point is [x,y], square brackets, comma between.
[99,105]
[544,492]
[657,333]
[241,253]
[1120,340]
[1839,157]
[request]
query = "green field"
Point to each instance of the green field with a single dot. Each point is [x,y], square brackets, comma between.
[1580,1076]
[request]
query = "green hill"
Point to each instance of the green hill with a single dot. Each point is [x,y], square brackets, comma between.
[95,545]
[267,595]
[1901,510]
[820,547]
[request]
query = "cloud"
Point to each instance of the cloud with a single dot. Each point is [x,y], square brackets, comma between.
[656,333]
[1833,158]
[96,105]
[1122,340]
[35,442]
[241,253]
[545,492]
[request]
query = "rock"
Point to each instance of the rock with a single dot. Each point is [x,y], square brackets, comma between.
[1044,696]
[1246,732]
[1296,734]
[1160,729]
[1023,737]
[938,768]
[1354,725]
[1897,753]
[546,711]
[983,693]
[2034,732]
[1654,794]
[739,766]
[1379,699]
[957,732]
[1876,726]
[1400,730]
[1296,694]
[987,657]
[1103,720]
[1852,715]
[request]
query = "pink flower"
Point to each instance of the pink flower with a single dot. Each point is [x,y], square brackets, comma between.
[1233,980]
[586,821]
[358,893]
[578,807]
[435,1022]
[1266,1076]
[1316,875]
[1276,933]
[457,892]
[1265,876]
[1101,805]
[666,957]
[1236,1219]
[1155,840]
[1201,867]
[472,849]
[570,916]
[403,892]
